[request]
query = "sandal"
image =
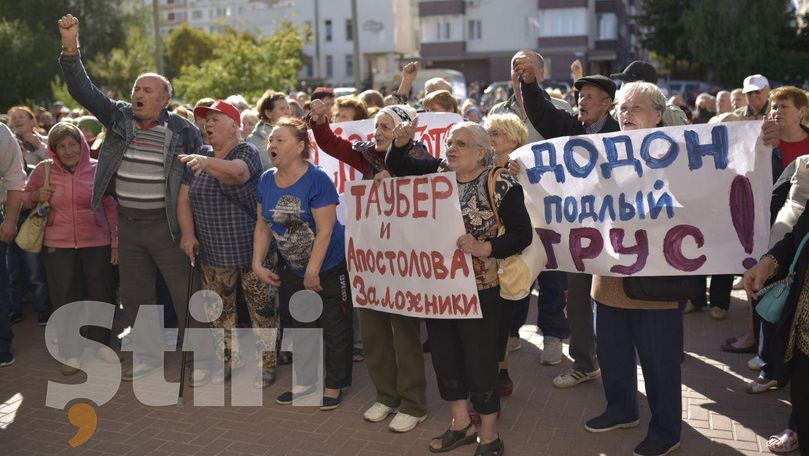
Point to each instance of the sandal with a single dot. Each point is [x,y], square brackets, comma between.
[494,448]
[785,442]
[453,439]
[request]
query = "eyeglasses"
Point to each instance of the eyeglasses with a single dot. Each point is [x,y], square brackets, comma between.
[460,143]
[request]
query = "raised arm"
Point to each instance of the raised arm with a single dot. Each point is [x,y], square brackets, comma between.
[398,159]
[549,121]
[332,144]
[409,73]
[78,83]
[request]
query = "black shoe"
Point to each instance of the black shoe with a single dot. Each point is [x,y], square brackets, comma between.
[494,448]
[331,403]
[284,358]
[287,397]
[649,448]
[15,317]
[603,423]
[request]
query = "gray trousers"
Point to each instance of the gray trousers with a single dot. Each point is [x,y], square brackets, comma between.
[580,317]
[145,246]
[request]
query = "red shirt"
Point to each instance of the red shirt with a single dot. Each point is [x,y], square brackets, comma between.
[792,150]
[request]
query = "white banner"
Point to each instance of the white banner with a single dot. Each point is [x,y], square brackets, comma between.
[401,248]
[693,199]
[433,128]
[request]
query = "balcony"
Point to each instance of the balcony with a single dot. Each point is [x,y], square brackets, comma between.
[553,4]
[443,49]
[562,42]
[441,7]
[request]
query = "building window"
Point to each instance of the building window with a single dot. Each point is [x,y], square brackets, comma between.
[329,30]
[447,30]
[170,16]
[444,28]
[349,30]
[196,14]
[474,30]
[329,66]
[607,26]
[563,22]
[309,67]
[349,65]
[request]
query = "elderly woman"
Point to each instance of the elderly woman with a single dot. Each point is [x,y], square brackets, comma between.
[271,108]
[506,133]
[349,108]
[81,246]
[625,325]
[297,206]
[393,352]
[465,353]
[217,220]
[440,101]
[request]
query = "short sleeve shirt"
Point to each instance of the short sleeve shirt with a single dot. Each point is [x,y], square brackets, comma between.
[225,215]
[288,211]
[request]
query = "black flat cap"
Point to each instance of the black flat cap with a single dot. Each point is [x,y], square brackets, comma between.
[637,71]
[602,82]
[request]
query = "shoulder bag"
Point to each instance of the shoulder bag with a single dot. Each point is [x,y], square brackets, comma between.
[32,231]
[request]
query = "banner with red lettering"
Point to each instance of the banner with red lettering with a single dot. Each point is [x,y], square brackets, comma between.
[692,199]
[401,248]
[433,128]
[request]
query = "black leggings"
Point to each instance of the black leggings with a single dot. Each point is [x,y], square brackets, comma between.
[465,355]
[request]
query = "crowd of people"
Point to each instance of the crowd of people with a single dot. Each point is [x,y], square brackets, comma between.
[138,190]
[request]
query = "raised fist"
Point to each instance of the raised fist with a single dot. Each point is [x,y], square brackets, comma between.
[405,132]
[318,111]
[69,30]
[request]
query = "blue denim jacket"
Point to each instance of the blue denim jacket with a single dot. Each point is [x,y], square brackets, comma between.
[117,116]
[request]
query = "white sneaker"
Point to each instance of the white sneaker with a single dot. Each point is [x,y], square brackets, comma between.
[514,344]
[573,377]
[551,351]
[377,412]
[755,364]
[738,283]
[403,422]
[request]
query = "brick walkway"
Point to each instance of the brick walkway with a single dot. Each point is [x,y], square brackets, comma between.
[719,417]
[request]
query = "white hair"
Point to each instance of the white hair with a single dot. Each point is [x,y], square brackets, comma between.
[238,101]
[480,136]
[654,93]
[163,79]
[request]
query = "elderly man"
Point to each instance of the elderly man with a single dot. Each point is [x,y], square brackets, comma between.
[595,101]
[139,163]
[704,108]
[723,102]
[12,182]
[737,99]
[756,91]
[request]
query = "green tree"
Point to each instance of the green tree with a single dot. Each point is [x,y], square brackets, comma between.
[189,46]
[117,70]
[247,64]
[23,78]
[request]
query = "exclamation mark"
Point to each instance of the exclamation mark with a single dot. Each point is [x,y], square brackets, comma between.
[743,214]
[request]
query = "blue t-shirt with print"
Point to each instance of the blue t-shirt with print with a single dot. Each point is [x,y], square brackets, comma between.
[288,211]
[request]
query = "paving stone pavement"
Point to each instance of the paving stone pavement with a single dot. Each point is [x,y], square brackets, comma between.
[719,418]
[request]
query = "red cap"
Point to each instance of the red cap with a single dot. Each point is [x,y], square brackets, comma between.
[219,106]
[322,92]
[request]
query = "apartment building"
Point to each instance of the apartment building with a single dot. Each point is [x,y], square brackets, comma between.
[478,37]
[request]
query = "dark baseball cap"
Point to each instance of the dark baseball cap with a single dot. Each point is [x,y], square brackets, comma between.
[637,71]
[602,82]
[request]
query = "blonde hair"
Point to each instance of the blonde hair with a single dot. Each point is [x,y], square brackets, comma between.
[354,103]
[511,125]
[442,98]
[647,88]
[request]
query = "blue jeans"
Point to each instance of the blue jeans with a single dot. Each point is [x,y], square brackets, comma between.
[5,302]
[25,266]
[551,318]
[658,337]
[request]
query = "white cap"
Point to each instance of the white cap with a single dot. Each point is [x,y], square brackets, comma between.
[754,82]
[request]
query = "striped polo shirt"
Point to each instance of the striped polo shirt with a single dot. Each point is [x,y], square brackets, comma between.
[141,182]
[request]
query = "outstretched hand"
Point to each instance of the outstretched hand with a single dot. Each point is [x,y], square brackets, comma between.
[318,111]
[69,30]
[405,132]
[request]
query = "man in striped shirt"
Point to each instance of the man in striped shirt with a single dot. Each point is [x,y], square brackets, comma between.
[139,163]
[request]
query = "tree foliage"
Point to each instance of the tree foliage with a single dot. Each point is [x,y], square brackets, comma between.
[246,64]
[23,77]
[187,46]
[117,70]
[725,40]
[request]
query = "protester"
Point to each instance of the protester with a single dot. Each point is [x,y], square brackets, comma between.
[465,353]
[12,183]
[271,107]
[756,91]
[788,107]
[349,108]
[217,220]
[737,99]
[723,102]
[704,109]
[249,119]
[372,98]
[644,71]
[92,130]
[440,101]
[295,109]
[80,246]
[325,94]
[200,123]
[506,133]
[143,139]
[595,101]
[297,203]
[34,144]
[393,352]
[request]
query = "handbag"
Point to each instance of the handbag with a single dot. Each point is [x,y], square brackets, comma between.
[518,272]
[662,288]
[32,232]
[773,298]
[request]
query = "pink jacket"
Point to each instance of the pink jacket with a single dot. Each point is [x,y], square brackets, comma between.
[70,222]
